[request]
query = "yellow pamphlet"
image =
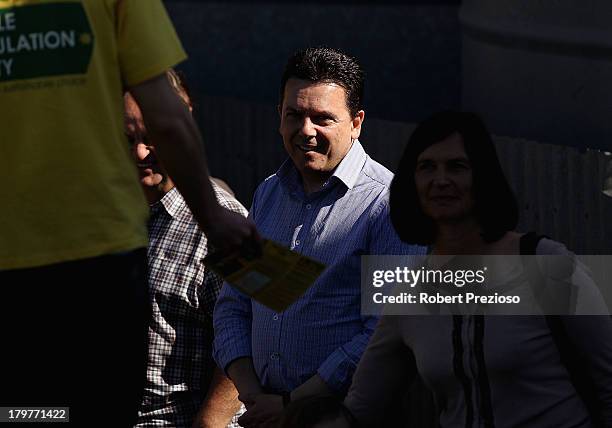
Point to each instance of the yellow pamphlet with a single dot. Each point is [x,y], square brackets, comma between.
[275,278]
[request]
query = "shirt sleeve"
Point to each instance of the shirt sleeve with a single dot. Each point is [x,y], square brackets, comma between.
[211,288]
[337,370]
[387,367]
[213,282]
[592,336]
[147,43]
[232,324]
[232,320]
[383,240]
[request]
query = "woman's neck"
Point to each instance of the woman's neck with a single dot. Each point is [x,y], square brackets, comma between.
[463,238]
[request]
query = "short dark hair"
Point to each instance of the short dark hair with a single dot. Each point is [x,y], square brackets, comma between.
[327,65]
[495,205]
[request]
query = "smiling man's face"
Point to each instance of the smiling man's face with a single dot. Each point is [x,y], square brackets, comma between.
[153,177]
[317,128]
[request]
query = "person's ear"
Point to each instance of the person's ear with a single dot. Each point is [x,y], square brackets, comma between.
[356,124]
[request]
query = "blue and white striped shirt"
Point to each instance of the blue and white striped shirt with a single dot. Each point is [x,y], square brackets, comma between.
[324,331]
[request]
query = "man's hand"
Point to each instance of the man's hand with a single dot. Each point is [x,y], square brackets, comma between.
[263,411]
[179,147]
[313,386]
[229,231]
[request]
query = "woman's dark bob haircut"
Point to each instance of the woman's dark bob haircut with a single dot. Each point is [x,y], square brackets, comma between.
[495,206]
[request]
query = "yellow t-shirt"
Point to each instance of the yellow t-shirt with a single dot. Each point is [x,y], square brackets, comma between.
[70,190]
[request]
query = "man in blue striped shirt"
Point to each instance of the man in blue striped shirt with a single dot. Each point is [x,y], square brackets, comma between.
[329,201]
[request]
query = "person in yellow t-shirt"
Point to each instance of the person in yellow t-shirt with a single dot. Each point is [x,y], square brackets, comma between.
[73,220]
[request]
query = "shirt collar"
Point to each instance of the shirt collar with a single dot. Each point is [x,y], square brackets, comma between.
[287,170]
[350,166]
[171,202]
[347,171]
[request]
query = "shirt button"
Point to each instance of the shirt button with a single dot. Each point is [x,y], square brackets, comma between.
[275,317]
[274,356]
[308,206]
[297,242]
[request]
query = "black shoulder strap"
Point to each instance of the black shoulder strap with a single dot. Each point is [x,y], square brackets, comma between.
[529,243]
[537,281]
[568,353]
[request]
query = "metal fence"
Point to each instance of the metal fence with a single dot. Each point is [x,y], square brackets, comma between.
[558,187]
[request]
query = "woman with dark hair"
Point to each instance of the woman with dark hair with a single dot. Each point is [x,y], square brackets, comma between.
[469,153]
[485,371]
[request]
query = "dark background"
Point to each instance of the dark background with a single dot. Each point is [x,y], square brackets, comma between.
[535,70]
[538,72]
[411,52]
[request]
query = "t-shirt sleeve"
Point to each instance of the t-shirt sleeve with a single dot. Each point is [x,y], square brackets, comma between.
[147,43]
[386,368]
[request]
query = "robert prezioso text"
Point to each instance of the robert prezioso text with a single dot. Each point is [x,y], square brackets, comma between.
[439,299]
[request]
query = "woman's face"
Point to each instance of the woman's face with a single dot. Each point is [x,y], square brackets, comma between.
[443,178]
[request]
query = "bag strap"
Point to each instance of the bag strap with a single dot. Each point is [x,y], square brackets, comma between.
[529,243]
[568,354]
[528,248]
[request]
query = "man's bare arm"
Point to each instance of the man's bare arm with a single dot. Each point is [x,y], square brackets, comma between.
[179,146]
[242,372]
[220,405]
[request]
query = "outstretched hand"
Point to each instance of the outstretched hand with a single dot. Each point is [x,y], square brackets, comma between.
[228,231]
